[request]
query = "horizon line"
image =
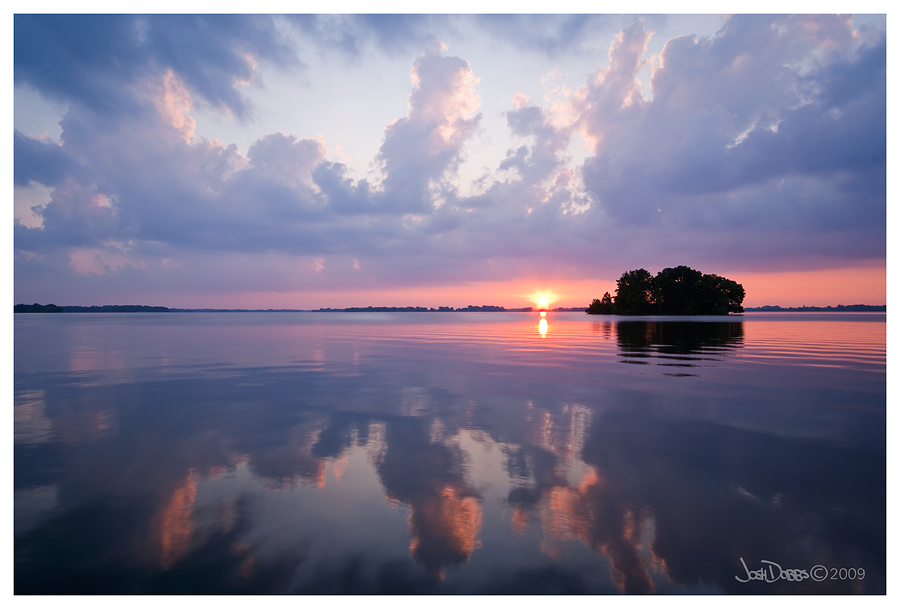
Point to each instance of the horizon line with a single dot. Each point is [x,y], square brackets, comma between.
[413,308]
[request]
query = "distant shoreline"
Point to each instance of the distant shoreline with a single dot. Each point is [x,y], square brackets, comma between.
[856,308]
[52,308]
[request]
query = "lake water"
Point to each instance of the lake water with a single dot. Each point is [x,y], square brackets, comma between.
[449,453]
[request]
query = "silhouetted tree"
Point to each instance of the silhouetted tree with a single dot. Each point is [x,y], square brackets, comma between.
[634,293]
[602,306]
[679,291]
[728,294]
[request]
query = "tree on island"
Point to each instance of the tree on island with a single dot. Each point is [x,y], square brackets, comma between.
[674,291]
[634,293]
[601,306]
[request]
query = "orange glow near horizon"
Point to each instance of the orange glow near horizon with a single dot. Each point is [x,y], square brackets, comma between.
[860,285]
[510,294]
[815,288]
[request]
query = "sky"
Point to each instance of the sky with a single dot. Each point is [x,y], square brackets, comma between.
[310,161]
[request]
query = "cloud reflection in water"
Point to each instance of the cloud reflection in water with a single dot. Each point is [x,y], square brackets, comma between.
[480,459]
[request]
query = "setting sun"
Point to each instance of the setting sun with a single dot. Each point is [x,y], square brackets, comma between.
[543,298]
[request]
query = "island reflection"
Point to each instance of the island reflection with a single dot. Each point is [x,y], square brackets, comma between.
[677,343]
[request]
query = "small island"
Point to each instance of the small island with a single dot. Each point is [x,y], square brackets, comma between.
[673,291]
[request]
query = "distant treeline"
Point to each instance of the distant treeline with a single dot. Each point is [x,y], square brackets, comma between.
[482,308]
[857,308]
[52,308]
[239,310]
[673,291]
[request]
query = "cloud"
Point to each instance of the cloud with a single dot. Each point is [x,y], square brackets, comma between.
[397,35]
[39,161]
[420,148]
[753,124]
[355,34]
[168,188]
[552,35]
[92,59]
[761,145]
[548,143]
[280,156]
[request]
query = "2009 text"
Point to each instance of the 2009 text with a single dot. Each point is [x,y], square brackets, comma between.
[772,572]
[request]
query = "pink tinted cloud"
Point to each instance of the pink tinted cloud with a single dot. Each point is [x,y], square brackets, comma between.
[420,148]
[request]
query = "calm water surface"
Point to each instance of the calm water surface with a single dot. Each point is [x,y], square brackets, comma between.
[449,453]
